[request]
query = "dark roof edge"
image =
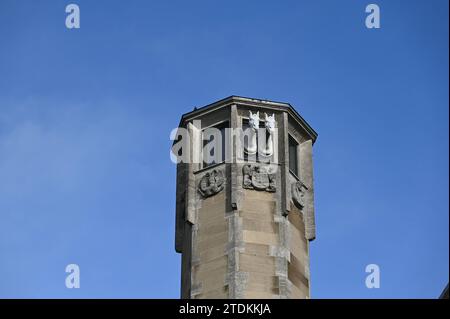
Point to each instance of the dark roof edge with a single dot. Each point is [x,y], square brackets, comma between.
[243,100]
[444,294]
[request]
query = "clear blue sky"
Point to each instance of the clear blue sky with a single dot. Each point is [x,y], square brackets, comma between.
[85,117]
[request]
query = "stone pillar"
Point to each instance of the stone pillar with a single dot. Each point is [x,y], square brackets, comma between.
[243,228]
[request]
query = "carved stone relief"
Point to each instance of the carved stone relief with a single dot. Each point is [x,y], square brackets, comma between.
[298,194]
[259,177]
[211,183]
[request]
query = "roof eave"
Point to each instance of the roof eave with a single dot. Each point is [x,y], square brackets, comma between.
[251,102]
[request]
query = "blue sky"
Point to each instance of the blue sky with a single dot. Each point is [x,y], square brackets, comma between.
[85,117]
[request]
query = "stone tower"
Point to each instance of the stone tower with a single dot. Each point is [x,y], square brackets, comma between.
[245,200]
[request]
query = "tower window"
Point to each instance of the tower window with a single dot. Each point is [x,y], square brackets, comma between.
[214,148]
[293,155]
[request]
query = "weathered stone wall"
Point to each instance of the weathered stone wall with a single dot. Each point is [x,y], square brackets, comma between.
[209,263]
[298,268]
[260,233]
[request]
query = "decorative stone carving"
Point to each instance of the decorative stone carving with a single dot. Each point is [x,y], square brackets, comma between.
[252,146]
[267,149]
[259,177]
[298,194]
[211,183]
[260,140]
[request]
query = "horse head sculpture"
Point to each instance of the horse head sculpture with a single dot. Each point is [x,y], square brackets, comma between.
[252,147]
[270,123]
[254,120]
[267,147]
